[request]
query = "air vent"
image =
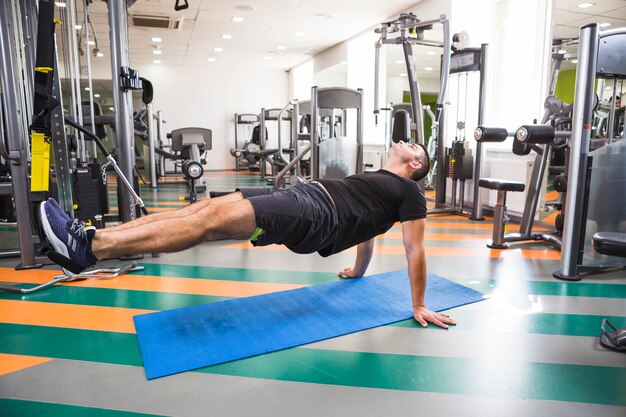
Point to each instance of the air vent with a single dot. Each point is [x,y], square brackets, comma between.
[149,21]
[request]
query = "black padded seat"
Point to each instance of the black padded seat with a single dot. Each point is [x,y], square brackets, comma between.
[610,243]
[501,185]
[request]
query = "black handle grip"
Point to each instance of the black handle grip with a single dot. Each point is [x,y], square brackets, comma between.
[541,134]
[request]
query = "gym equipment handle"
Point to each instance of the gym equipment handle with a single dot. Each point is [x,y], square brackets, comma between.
[541,134]
[491,134]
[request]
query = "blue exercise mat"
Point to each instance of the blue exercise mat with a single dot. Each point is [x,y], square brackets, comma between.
[194,337]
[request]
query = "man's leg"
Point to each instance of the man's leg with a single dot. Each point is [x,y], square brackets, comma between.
[207,222]
[190,209]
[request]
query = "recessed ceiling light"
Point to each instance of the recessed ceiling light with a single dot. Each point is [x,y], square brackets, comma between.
[237,19]
[267,57]
[323,16]
[156,61]
[96,95]
[227,36]
[428,69]
[430,53]
[574,61]
[78,27]
[605,24]
[211,59]
[111,108]
[87,88]
[156,40]
[281,47]
[343,62]
[60,3]
[586,5]
[99,54]
[244,8]
[562,51]
[300,34]
[91,43]
[403,74]
[399,61]
[607,88]
[157,52]
[218,49]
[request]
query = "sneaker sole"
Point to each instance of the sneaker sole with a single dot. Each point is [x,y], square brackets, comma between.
[56,243]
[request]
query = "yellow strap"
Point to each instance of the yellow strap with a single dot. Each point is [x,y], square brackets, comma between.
[43,69]
[40,167]
[57,21]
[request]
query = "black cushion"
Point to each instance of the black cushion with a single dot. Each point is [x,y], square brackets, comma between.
[501,185]
[610,243]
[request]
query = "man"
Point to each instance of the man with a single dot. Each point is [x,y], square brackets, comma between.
[326,216]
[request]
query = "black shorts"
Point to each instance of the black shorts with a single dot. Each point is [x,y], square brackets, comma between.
[303,218]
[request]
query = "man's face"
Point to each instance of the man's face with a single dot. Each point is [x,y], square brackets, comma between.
[618,103]
[407,151]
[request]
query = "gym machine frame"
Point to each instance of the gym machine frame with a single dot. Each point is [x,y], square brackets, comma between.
[600,54]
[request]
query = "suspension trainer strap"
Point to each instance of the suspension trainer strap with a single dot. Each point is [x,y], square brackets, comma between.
[43,102]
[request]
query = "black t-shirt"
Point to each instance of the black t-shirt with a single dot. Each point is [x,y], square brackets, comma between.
[369,204]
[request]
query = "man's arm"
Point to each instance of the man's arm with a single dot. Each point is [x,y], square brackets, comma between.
[364,253]
[413,239]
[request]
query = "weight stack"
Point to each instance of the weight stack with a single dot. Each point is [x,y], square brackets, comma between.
[90,194]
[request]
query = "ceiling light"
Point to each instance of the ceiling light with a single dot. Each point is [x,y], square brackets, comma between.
[267,57]
[343,62]
[156,40]
[211,59]
[562,51]
[281,47]
[586,5]
[96,95]
[91,43]
[218,49]
[574,61]
[244,8]
[323,16]
[78,27]
[428,69]
[157,52]
[403,74]
[227,36]
[300,34]
[608,88]
[430,53]
[237,19]
[87,88]
[156,61]
[111,108]
[399,61]
[99,55]
[605,24]
[60,3]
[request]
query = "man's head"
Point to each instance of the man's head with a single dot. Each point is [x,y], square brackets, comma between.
[411,157]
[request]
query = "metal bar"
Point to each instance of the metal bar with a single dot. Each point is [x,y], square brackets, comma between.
[71,6]
[295,115]
[579,151]
[376,79]
[236,141]
[534,190]
[16,139]
[611,131]
[359,133]
[315,169]
[262,139]
[89,77]
[152,146]
[477,207]
[291,164]
[445,65]
[118,34]
[414,90]
[160,122]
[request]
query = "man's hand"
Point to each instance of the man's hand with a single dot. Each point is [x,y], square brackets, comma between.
[424,316]
[349,273]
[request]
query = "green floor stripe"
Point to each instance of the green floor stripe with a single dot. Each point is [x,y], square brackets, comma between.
[104,297]
[538,323]
[237,274]
[480,377]
[23,408]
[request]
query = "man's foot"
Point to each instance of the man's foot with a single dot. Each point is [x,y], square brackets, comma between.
[70,239]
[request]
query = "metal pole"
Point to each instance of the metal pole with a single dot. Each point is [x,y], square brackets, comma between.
[315,169]
[359,132]
[160,122]
[414,89]
[16,139]
[89,79]
[152,144]
[118,34]
[445,66]
[611,130]
[477,208]
[71,6]
[376,76]
[295,130]
[579,151]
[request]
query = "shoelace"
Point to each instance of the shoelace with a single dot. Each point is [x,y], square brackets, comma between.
[78,227]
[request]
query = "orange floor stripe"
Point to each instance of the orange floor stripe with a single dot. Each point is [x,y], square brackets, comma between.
[155,283]
[538,254]
[552,196]
[34,313]
[11,363]
[441,236]
[551,218]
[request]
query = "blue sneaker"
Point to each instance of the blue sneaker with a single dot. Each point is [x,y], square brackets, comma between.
[70,239]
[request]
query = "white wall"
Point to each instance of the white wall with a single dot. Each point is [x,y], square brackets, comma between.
[194,96]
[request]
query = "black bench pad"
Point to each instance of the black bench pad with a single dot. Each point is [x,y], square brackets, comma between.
[501,185]
[610,243]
